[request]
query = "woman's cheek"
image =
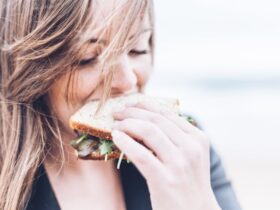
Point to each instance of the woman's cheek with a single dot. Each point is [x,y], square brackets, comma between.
[143,71]
[59,107]
[84,82]
[87,82]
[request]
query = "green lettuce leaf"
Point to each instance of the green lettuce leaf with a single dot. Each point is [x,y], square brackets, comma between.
[106,146]
[189,119]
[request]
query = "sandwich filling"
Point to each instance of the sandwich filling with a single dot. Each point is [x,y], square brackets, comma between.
[86,144]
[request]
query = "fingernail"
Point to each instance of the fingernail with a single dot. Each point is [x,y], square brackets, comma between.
[118,109]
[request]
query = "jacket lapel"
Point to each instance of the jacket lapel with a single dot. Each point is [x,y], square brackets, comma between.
[135,188]
[42,196]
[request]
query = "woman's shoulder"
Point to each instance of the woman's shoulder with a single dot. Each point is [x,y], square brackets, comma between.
[220,183]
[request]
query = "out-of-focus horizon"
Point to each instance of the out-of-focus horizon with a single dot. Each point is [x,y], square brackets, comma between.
[222,60]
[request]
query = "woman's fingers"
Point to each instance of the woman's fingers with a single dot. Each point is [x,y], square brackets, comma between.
[151,135]
[179,121]
[167,126]
[142,158]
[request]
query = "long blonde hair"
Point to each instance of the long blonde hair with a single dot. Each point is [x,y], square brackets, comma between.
[35,39]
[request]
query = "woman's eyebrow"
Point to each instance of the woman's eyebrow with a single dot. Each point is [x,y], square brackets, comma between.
[103,41]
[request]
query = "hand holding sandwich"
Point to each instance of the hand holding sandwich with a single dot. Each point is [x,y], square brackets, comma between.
[176,165]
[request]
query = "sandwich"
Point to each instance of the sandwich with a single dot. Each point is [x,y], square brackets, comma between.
[94,139]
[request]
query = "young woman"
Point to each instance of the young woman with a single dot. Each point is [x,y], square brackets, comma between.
[57,55]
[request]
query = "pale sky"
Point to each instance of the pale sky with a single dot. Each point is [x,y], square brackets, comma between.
[218,37]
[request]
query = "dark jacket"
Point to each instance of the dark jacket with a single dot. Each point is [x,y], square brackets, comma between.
[135,189]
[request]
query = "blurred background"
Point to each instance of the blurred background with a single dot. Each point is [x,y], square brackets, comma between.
[221,58]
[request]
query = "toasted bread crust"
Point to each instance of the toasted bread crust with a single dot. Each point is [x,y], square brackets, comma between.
[91,131]
[98,156]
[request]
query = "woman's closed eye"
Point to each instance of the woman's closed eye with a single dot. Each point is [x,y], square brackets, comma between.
[88,61]
[93,59]
[135,52]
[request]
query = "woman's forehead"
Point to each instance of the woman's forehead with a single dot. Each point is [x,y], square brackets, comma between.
[114,12]
[105,8]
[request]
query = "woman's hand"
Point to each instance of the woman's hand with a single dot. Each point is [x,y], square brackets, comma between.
[178,168]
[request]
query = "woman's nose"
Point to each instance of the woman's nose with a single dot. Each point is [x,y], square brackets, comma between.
[124,78]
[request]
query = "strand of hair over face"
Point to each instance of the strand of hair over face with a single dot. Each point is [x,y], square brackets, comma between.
[34,38]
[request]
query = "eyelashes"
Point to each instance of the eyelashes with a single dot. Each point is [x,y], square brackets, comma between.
[138,52]
[94,59]
[88,61]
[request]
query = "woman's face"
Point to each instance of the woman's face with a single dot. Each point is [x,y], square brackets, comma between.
[132,70]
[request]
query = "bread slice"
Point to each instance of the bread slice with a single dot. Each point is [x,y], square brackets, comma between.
[100,126]
[85,121]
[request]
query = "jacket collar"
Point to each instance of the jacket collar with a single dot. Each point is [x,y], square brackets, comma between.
[133,183]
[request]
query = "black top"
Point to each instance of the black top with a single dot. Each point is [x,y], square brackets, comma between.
[135,189]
